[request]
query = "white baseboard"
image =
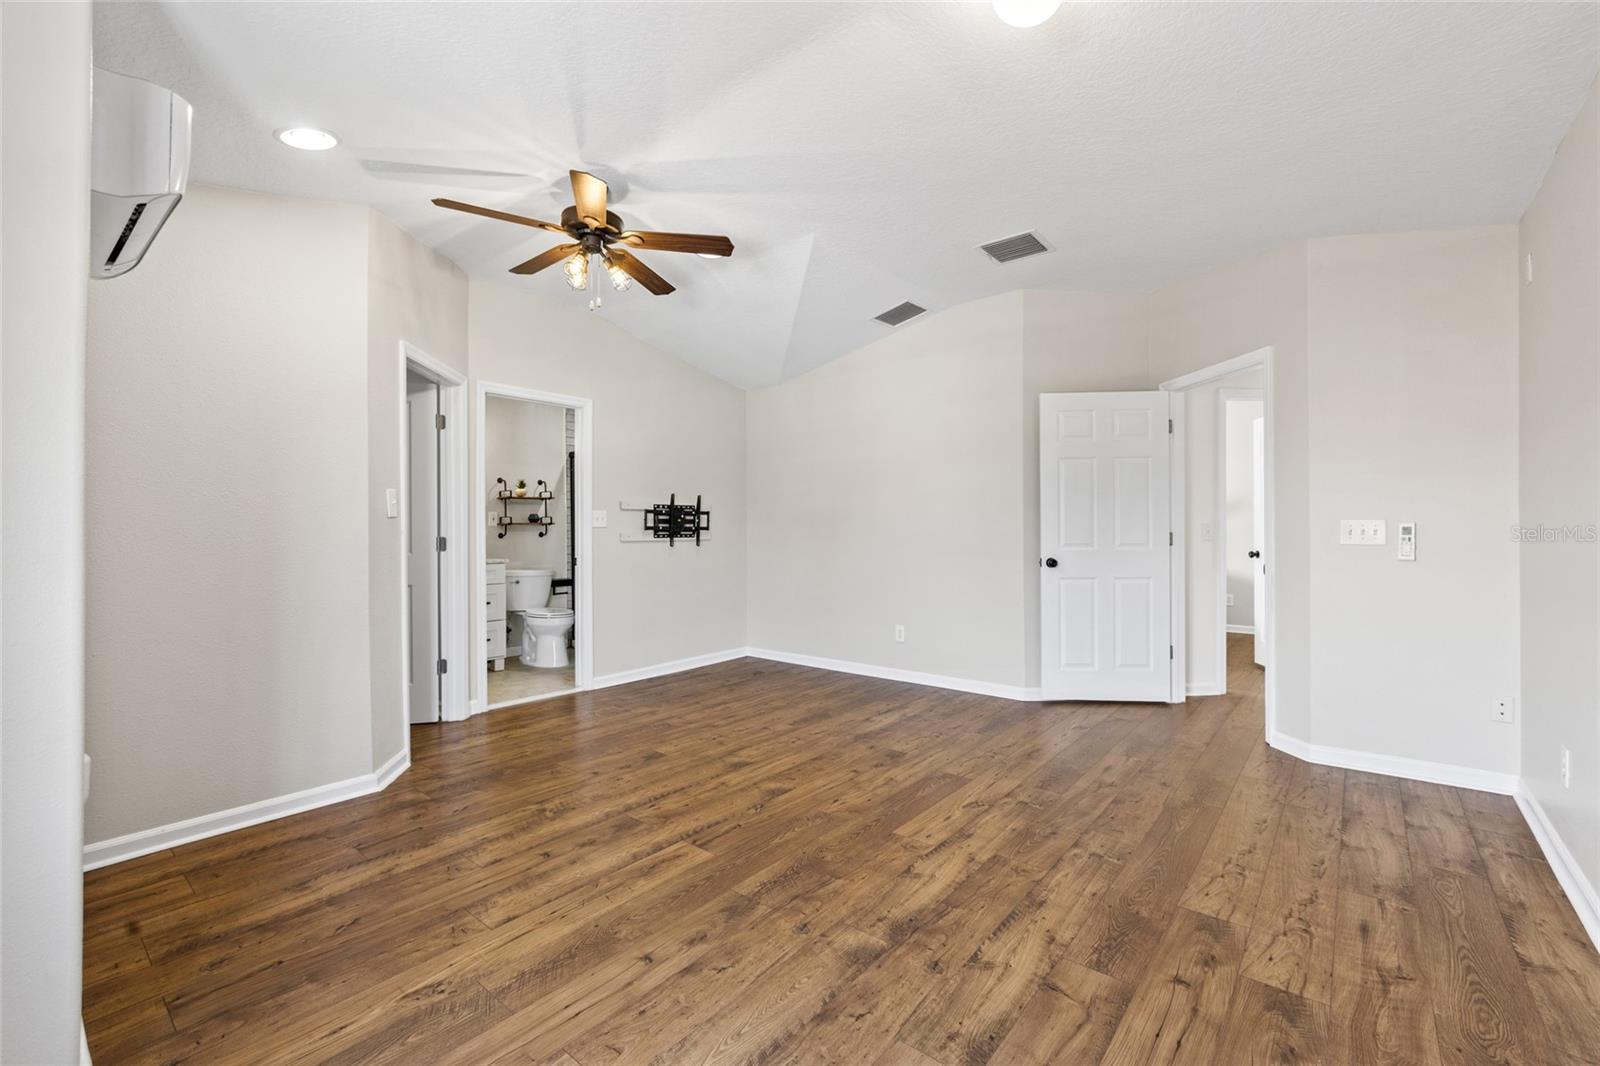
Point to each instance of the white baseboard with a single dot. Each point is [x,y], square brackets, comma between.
[676,666]
[889,673]
[1246,630]
[119,849]
[1579,889]
[1206,688]
[1438,773]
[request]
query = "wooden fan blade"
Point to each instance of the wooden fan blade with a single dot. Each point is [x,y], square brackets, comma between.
[545,259]
[589,196]
[639,272]
[699,243]
[503,216]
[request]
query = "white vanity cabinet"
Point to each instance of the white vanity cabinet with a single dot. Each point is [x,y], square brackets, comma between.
[494,615]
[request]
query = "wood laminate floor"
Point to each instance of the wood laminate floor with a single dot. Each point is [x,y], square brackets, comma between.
[757,862]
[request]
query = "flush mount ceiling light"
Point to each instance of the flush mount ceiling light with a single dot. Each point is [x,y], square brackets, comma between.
[1025,13]
[307,138]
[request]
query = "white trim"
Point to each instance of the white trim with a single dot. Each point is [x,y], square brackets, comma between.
[1263,358]
[1206,688]
[1178,551]
[453,586]
[1579,889]
[912,677]
[676,666]
[133,845]
[582,534]
[1438,773]
[1248,631]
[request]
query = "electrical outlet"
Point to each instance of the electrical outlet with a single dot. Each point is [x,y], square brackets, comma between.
[1505,710]
[1208,532]
[899,634]
[599,520]
[1230,599]
[1566,768]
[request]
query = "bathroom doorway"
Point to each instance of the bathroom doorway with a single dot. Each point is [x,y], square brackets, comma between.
[533,478]
[430,504]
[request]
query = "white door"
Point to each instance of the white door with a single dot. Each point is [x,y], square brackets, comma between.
[422,546]
[1105,539]
[1258,536]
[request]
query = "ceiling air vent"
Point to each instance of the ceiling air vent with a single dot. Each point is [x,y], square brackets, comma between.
[896,315]
[1021,246]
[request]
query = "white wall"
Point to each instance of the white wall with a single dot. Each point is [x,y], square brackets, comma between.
[1413,417]
[44,180]
[228,533]
[660,426]
[528,441]
[885,490]
[416,295]
[1239,493]
[1560,486]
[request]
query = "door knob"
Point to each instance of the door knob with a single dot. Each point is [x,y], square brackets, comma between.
[1255,555]
[1050,563]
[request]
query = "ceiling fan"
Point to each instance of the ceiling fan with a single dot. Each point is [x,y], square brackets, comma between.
[593,230]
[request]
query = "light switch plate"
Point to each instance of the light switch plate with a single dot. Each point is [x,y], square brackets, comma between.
[599,520]
[1363,531]
[391,502]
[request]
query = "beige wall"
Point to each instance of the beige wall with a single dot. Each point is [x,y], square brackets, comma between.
[660,426]
[885,490]
[528,441]
[228,509]
[44,210]
[415,295]
[1413,417]
[1560,486]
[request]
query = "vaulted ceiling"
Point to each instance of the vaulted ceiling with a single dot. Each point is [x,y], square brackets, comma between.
[858,153]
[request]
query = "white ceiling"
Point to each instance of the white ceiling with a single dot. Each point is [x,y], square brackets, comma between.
[857,153]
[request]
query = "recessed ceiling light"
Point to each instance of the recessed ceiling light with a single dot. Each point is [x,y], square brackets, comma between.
[1025,13]
[307,138]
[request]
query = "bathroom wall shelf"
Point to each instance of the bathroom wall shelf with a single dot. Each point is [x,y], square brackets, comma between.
[540,519]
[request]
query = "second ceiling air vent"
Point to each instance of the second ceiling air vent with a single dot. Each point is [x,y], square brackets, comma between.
[896,315]
[1007,249]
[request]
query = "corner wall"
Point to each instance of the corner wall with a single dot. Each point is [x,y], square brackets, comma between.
[44,257]
[1560,487]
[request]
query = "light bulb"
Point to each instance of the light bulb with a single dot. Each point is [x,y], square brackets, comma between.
[619,277]
[1025,13]
[577,270]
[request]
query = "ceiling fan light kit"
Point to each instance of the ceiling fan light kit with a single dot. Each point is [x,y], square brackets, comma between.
[594,230]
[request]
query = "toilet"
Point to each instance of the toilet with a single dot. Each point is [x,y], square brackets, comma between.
[543,628]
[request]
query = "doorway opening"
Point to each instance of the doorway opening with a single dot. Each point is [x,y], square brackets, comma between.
[429,504]
[533,475]
[1223,493]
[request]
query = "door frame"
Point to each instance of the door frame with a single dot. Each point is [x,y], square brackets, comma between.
[1264,359]
[452,481]
[1225,394]
[582,534]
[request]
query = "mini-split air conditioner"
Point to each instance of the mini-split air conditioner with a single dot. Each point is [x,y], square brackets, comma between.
[139,167]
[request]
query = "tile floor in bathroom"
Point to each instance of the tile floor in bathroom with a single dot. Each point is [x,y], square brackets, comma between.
[518,682]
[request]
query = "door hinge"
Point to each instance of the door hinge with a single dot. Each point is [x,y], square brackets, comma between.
[442,667]
[438,421]
[1169,425]
[443,544]
[1170,654]
[1170,541]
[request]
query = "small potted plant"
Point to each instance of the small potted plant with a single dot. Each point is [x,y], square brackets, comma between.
[522,488]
